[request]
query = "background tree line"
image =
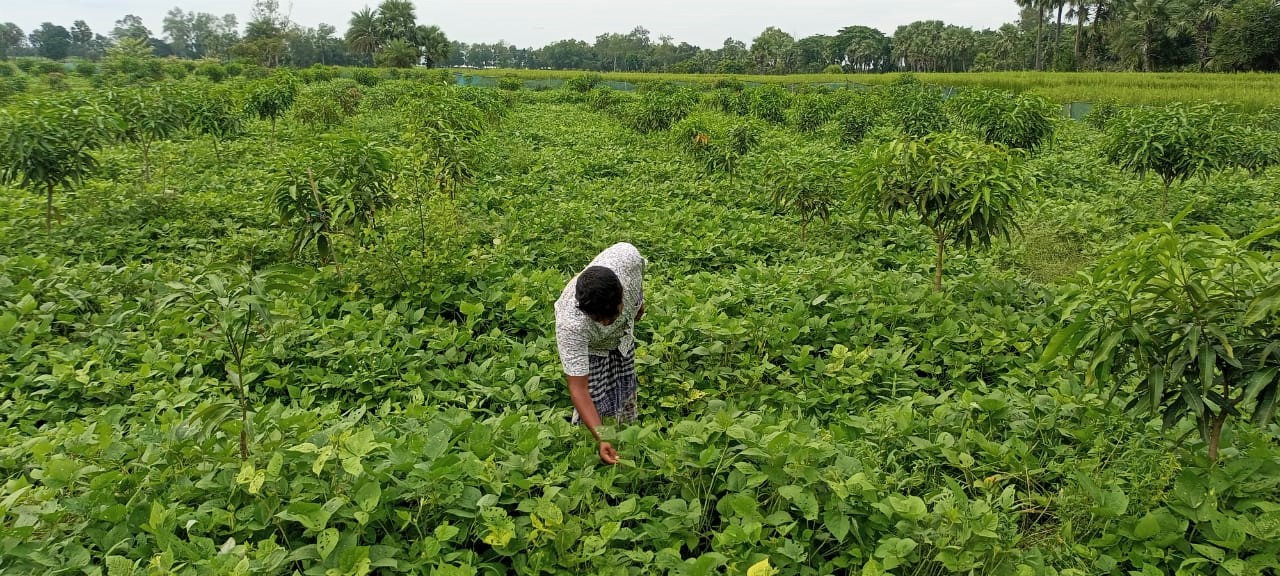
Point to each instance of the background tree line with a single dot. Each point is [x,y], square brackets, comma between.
[1148,35]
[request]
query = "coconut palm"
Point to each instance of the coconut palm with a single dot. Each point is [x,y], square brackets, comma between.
[1080,13]
[362,32]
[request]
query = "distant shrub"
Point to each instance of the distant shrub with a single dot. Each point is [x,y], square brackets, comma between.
[175,70]
[729,84]
[366,76]
[833,69]
[510,83]
[56,81]
[811,111]
[583,82]
[769,103]
[657,111]
[11,86]
[214,71]
[86,69]
[234,69]
[327,104]
[45,66]
[7,70]
[998,117]
[255,72]
[605,99]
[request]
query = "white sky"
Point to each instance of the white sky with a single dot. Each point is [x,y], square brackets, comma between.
[538,22]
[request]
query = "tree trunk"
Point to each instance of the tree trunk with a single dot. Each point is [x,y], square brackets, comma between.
[1215,434]
[937,267]
[1082,13]
[1095,35]
[1057,39]
[1039,35]
[1146,52]
[1204,32]
[146,162]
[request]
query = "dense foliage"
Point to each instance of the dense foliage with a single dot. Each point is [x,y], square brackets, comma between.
[192,385]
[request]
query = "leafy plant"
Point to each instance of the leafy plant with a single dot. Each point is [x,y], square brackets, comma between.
[997,117]
[337,189]
[217,114]
[1249,147]
[510,83]
[806,181]
[238,302]
[914,108]
[11,86]
[1102,113]
[270,98]
[149,115]
[658,110]
[718,142]
[769,102]
[856,118]
[811,111]
[327,104]
[963,190]
[1190,315]
[1176,142]
[214,71]
[605,99]
[47,143]
[583,83]
[130,62]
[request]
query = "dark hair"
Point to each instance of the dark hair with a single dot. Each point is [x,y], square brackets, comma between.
[599,292]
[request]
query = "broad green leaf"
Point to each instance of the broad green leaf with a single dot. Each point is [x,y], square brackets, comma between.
[367,496]
[311,515]
[837,523]
[326,541]
[120,566]
[761,568]
[1147,527]
[1227,533]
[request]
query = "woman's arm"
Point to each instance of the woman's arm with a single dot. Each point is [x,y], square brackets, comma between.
[581,396]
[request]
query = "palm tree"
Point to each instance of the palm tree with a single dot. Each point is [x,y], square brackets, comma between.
[396,20]
[433,44]
[397,54]
[1006,45]
[1039,6]
[1151,19]
[362,32]
[1080,13]
[1057,33]
[1200,17]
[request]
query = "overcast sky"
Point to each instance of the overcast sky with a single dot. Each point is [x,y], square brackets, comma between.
[538,22]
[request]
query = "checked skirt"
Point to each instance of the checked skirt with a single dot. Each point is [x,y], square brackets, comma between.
[613,386]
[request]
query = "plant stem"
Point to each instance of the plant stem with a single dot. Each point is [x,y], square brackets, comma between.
[937,267]
[48,209]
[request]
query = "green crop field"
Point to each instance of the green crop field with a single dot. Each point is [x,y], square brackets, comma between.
[1254,91]
[303,324]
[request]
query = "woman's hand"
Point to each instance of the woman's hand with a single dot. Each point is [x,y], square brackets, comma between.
[607,454]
